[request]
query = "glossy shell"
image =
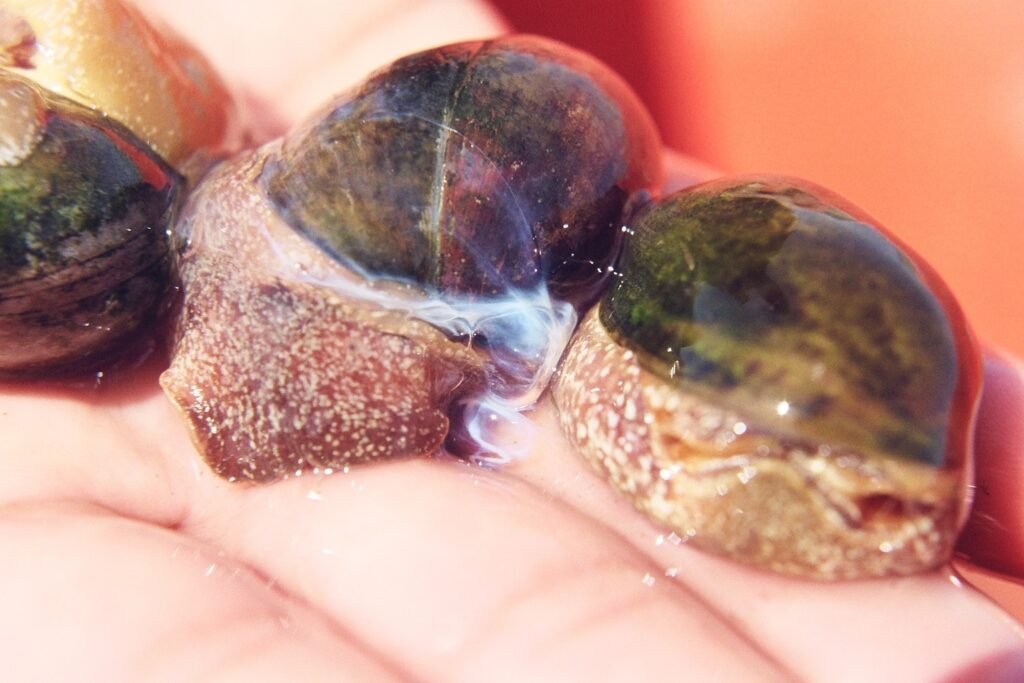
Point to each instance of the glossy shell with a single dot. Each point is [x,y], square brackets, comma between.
[331,280]
[769,374]
[474,169]
[777,380]
[84,209]
[102,117]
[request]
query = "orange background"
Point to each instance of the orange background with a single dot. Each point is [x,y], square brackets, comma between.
[913,110]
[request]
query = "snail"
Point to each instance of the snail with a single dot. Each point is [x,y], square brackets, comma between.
[82,232]
[90,176]
[361,288]
[778,381]
[767,372]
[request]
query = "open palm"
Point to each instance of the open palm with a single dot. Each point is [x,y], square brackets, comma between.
[126,559]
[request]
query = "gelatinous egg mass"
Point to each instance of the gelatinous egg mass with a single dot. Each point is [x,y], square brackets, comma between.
[83,217]
[775,378]
[474,168]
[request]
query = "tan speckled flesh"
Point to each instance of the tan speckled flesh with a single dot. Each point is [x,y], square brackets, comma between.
[277,376]
[727,487]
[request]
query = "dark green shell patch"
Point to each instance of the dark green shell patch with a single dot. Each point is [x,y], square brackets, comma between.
[74,183]
[765,299]
[83,242]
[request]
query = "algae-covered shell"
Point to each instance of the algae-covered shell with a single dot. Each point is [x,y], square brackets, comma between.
[84,210]
[103,117]
[778,380]
[475,169]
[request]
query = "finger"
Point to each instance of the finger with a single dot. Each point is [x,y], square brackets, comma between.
[682,171]
[117,444]
[994,536]
[418,27]
[457,572]
[295,55]
[933,627]
[91,596]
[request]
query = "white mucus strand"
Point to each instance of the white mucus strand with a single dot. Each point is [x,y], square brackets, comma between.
[525,332]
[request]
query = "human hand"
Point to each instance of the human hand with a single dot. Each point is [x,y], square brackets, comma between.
[131,559]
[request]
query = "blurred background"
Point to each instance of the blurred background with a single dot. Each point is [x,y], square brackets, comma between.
[912,110]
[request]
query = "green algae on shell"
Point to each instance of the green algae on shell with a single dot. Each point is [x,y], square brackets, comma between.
[777,380]
[84,211]
[763,297]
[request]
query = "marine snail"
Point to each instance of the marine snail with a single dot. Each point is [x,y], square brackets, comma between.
[776,380]
[85,201]
[473,169]
[767,373]
[417,247]
[83,214]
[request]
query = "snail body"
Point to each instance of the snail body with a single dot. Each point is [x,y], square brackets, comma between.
[277,374]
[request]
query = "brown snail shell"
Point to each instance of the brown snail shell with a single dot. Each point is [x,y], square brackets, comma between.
[106,56]
[485,180]
[474,169]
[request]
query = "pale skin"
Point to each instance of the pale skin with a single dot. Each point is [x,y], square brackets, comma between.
[126,559]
